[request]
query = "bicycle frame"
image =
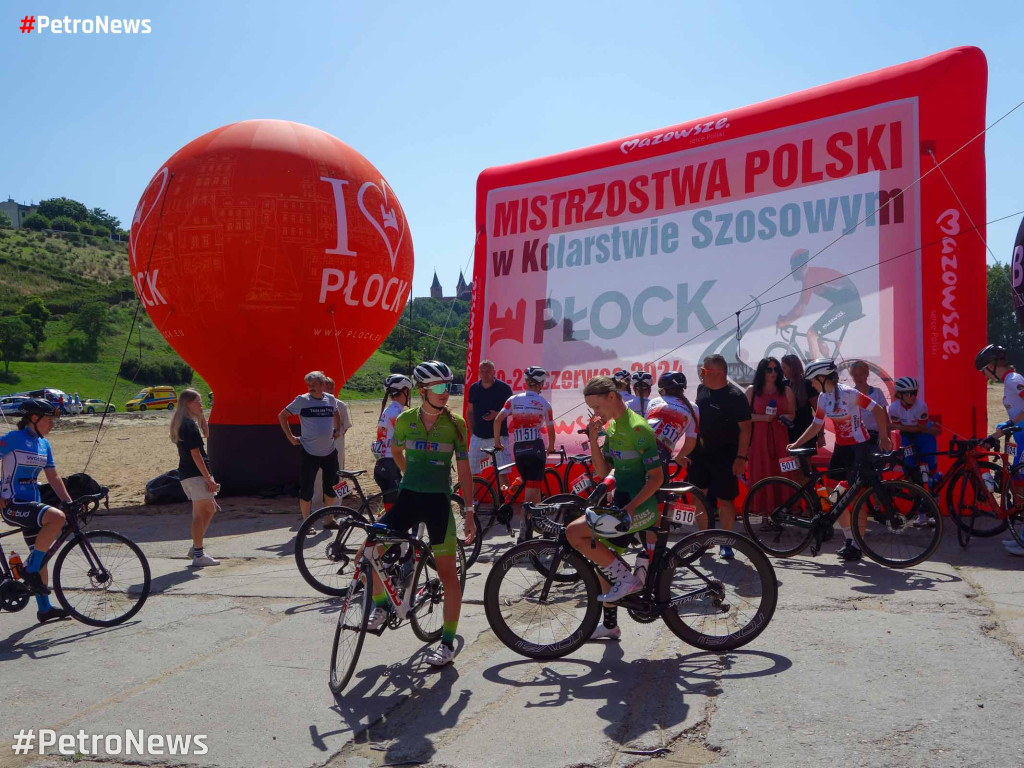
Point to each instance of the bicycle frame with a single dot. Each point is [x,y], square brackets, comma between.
[401,603]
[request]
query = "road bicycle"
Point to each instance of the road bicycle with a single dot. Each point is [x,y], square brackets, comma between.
[791,344]
[985,496]
[541,596]
[325,556]
[100,577]
[894,522]
[413,588]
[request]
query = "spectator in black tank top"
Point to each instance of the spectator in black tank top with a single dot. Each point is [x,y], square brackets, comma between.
[188,429]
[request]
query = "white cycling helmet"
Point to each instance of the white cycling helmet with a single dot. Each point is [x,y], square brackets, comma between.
[823,366]
[396,382]
[643,378]
[906,384]
[432,372]
[535,375]
[621,375]
[608,521]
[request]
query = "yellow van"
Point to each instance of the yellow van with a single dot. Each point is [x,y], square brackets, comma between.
[153,398]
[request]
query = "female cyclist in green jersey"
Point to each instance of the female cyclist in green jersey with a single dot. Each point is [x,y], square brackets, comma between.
[425,441]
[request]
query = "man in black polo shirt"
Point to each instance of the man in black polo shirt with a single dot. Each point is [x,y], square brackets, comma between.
[486,398]
[723,437]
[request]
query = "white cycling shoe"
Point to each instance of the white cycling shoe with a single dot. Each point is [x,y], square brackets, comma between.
[443,654]
[627,585]
[604,633]
[377,619]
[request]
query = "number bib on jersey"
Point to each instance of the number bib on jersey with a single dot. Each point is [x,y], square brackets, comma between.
[525,434]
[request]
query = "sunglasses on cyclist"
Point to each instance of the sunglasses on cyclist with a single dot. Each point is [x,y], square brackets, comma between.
[440,389]
[772,369]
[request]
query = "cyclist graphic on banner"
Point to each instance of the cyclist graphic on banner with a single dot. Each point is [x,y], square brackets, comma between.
[837,289]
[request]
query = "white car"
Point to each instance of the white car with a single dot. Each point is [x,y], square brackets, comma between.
[11,405]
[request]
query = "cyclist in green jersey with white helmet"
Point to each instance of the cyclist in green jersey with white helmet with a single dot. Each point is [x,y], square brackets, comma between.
[425,441]
[630,451]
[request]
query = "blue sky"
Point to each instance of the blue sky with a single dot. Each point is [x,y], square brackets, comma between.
[434,93]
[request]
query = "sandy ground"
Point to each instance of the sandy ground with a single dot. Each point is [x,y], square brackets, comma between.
[133,448]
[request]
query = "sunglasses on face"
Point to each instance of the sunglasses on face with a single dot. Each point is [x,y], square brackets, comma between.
[771,369]
[440,389]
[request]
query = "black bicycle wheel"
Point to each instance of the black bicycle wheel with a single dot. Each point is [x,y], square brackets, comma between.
[459,513]
[326,559]
[350,633]
[715,603]
[777,515]
[101,578]
[427,609]
[901,533]
[1016,525]
[683,497]
[970,499]
[539,617]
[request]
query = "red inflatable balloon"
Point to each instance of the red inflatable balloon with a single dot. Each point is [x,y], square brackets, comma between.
[263,250]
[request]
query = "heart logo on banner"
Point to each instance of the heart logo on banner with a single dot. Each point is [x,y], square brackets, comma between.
[142,212]
[387,218]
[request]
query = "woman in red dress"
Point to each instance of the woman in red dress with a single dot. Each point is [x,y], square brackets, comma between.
[770,398]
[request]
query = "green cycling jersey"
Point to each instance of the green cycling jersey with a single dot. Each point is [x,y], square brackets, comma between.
[631,447]
[428,455]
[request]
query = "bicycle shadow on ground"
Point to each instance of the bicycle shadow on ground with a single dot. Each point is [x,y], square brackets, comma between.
[980,552]
[372,709]
[624,688]
[874,579]
[16,646]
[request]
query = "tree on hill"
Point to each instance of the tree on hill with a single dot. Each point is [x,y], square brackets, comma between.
[1002,321]
[99,218]
[15,338]
[63,206]
[35,221]
[92,320]
[35,313]
[5,221]
[64,224]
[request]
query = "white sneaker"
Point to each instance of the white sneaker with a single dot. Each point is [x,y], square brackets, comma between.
[603,633]
[441,655]
[204,560]
[1015,549]
[192,551]
[377,619]
[627,585]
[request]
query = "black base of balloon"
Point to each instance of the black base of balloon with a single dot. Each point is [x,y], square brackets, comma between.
[253,458]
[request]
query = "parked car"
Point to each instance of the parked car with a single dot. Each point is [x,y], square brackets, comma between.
[92,405]
[11,405]
[153,398]
[54,396]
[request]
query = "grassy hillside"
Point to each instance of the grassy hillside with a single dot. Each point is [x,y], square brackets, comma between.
[70,271]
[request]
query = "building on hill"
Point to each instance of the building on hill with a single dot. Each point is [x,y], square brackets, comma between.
[463,290]
[17,211]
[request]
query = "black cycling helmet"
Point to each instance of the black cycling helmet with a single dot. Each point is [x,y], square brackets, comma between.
[672,380]
[621,376]
[990,355]
[38,407]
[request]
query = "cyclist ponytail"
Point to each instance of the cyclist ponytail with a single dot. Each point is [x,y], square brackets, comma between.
[451,417]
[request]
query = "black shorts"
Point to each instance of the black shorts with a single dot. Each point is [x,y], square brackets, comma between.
[848,457]
[386,474]
[530,460]
[307,474]
[27,515]
[713,473]
[434,509]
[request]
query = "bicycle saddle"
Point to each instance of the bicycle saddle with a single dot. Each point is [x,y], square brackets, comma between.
[350,474]
[803,451]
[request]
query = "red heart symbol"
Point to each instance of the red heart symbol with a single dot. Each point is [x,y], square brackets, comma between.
[386,215]
[146,206]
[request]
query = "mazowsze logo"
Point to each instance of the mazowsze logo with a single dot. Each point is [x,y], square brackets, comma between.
[949,223]
[666,136]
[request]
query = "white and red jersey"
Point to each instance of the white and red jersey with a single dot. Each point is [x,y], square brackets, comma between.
[914,416]
[845,406]
[1013,394]
[528,416]
[381,447]
[671,420]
